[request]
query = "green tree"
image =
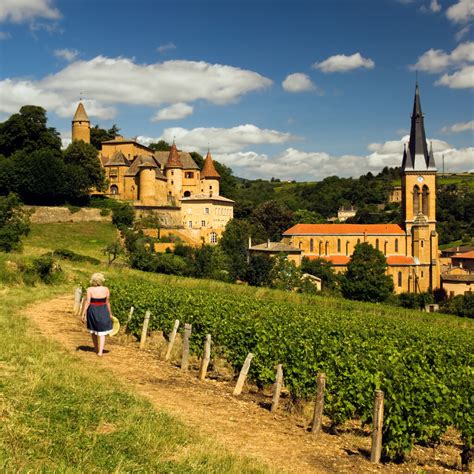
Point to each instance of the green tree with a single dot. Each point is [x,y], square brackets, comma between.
[284,274]
[82,158]
[28,130]
[323,269]
[365,278]
[274,217]
[258,271]
[99,135]
[303,216]
[14,223]
[160,145]
[123,215]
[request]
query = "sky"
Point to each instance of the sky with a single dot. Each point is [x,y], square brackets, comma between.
[295,90]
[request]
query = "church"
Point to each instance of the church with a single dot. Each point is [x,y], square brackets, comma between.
[411,247]
[169,185]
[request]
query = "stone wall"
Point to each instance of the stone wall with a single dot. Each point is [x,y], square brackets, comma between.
[48,215]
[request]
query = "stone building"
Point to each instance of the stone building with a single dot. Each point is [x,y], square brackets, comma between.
[411,247]
[168,184]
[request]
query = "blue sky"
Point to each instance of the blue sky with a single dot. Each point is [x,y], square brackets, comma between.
[290,89]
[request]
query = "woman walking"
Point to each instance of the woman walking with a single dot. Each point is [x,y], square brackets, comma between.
[97,312]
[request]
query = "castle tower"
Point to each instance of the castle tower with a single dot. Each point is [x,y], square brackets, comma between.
[419,200]
[210,178]
[81,125]
[174,175]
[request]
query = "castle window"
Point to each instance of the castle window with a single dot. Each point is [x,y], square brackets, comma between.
[172,182]
[416,200]
[190,224]
[206,210]
[213,238]
[377,244]
[311,245]
[425,200]
[421,243]
[396,245]
[399,279]
[113,189]
[189,175]
[210,187]
[203,223]
[187,193]
[338,245]
[421,273]
[172,173]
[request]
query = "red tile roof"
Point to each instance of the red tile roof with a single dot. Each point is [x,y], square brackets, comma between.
[348,229]
[173,158]
[344,259]
[400,260]
[208,169]
[468,255]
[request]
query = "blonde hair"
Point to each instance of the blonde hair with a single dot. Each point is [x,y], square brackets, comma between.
[97,279]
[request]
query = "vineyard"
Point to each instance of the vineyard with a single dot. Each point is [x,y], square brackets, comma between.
[422,363]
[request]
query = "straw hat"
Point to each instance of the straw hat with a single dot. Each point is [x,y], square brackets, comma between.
[115,326]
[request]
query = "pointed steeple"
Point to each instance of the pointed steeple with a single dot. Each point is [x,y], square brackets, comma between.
[417,157]
[174,160]
[208,169]
[80,115]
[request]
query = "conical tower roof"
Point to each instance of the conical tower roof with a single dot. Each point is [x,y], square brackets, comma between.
[208,169]
[417,157]
[80,115]
[173,158]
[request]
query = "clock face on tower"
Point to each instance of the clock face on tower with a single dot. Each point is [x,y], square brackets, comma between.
[420,179]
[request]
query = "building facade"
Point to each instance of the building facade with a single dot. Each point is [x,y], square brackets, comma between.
[411,247]
[168,184]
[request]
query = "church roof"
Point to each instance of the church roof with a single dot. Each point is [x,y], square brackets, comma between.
[275,247]
[417,157]
[342,260]
[345,229]
[117,159]
[208,169]
[173,158]
[80,115]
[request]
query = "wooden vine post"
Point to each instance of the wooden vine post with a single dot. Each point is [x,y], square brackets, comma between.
[77,300]
[376,450]
[243,375]
[319,405]
[187,335]
[146,320]
[172,339]
[277,388]
[206,358]
[130,314]
[81,305]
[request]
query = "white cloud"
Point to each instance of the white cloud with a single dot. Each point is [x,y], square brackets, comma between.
[4,35]
[66,54]
[21,11]
[463,32]
[163,48]
[459,127]
[461,12]
[298,82]
[111,81]
[437,60]
[435,6]
[173,112]
[343,63]
[93,109]
[462,79]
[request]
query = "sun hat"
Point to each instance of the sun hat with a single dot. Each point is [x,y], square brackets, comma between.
[115,326]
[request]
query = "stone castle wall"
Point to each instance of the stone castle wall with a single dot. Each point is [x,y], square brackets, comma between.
[49,215]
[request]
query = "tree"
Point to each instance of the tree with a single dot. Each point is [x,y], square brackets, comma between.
[274,217]
[82,159]
[161,145]
[123,215]
[365,279]
[303,216]
[112,251]
[99,135]
[320,268]
[284,274]
[14,223]
[258,271]
[27,130]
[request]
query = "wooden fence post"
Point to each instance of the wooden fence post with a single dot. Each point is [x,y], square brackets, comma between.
[206,358]
[77,300]
[146,320]
[172,339]
[277,388]
[130,314]
[319,405]
[377,421]
[81,305]
[185,358]
[243,375]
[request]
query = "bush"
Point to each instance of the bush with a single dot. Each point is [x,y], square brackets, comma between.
[66,254]
[415,300]
[123,215]
[461,305]
[14,223]
[47,269]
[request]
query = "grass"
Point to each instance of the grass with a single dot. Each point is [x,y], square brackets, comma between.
[57,415]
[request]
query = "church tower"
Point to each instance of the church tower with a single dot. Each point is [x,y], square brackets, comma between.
[419,201]
[81,125]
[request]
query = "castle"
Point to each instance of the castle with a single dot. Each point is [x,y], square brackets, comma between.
[411,247]
[169,185]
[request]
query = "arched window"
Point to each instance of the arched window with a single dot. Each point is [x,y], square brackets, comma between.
[213,238]
[377,244]
[396,245]
[311,245]
[300,245]
[425,200]
[416,200]
[385,248]
[338,245]
[358,241]
[399,279]
[320,248]
[347,248]
[326,248]
[187,194]
[113,189]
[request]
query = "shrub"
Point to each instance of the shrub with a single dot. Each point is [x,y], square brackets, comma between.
[66,254]
[14,223]
[123,215]
[47,269]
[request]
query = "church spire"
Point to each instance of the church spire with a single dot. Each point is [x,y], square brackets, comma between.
[417,157]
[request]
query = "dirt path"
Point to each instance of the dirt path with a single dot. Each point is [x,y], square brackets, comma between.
[241,425]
